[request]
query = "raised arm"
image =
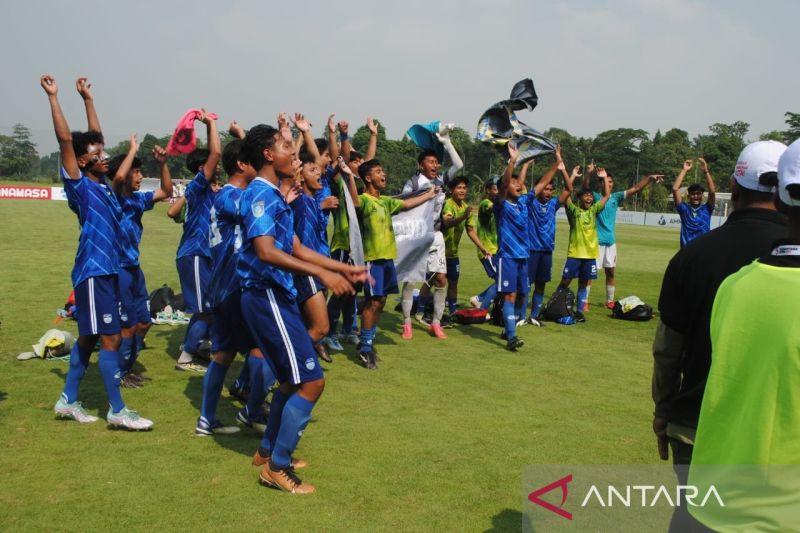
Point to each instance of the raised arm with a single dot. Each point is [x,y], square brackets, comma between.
[165,187]
[214,146]
[333,146]
[644,182]
[118,180]
[712,189]
[350,179]
[601,173]
[458,164]
[84,89]
[411,203]
[175,209]
[508,175]
[676,185]
[344,138]
[63,135]
[587,176]
[304,126]
[236,130]
[566,195]
[551,172]
[372,147]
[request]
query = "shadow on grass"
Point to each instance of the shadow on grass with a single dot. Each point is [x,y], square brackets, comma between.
[3,396]
[510,520]
[173,336]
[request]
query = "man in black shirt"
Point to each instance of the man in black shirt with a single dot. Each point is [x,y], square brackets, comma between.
[682,346]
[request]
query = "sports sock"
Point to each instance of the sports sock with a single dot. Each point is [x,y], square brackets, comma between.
[212,390]
[424,303]
[439,298]
[367,336]
[583,297]
[349,315]
[521,305]
[138,345]
[296,414]
[488,296]
[334,309]
[510,319]
[108,362]
[588,288]
[536,304]
[452,303]
[261,379]
[125,353]
[78,361]
[196,331]
[610,290]
[273,422]
[243,380]
[407,301]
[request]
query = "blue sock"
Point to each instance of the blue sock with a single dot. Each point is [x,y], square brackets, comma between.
[349,315]
[452,303]
[296,414]
[488,296]
[509,319]
[243,380]
[334,309]
[273,422]
[261,379]
[367,336]
[424,303]
[125,354]
[108,362]
[195,333]
[536,303]
[212,390]
[78,361]
[521,305]
[583,295]
[139,345]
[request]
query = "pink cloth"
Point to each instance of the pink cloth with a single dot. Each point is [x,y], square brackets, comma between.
[184,140]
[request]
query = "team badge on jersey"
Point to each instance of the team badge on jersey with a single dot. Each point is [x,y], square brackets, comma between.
[107,318]
[258,209]
[310,364]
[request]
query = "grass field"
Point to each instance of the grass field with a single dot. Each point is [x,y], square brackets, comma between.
[436,439]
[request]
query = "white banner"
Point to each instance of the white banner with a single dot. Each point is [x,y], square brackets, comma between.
[664,220]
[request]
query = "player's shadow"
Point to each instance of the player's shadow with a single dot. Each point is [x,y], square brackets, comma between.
[483,332]
[510,520]
[92,391]
[3,396]
[173,337]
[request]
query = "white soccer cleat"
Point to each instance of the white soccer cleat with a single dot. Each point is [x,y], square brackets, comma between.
[128,419]
[475,302]
[74,411]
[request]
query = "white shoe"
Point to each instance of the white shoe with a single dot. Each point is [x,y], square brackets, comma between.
[191,366]
[521,323]
[128,419]
[351,338]
[533,322]
[73,410]
[475,302]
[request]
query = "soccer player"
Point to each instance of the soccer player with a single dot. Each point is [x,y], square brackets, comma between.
[271,253]
[455,219]
[380,248]
[134,298]
[194,255]
[428,175]
[229,333]
[511,215]
[487,243]
[696,216]
[95,275]
[606,226]
[340,239]
[583,241]
[542,208]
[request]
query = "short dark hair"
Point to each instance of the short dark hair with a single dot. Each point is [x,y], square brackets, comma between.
[454,182]
[695,187]
[115,162]
[749,196]
[82,139]
[322,145]
[196,159]
[258,139]
[231,155]
[355,154]
[366,167]
[306,157]
[427,153]
[585,190]
[494,181]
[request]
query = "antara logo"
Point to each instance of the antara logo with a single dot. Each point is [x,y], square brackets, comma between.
[563,483]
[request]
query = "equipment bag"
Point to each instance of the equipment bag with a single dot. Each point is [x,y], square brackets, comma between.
[560,307]
[161,298]
[470,316]
[632,308]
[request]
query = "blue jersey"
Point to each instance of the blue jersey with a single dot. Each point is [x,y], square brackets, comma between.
[199,198]
[99,216]
[225,240]
[310,224]
[607,218]
[542,223]
[694,221]
[133,207]
[323,193]
[512,228]
[264,212]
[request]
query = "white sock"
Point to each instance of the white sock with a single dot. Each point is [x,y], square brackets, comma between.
[185,357]
[407,301]
[610,289]
[439,299]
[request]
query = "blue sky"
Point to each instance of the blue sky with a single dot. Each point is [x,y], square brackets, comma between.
[650,64]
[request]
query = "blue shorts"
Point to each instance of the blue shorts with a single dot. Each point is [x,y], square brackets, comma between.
[275,324]
[453,268]
[307,286]
[97,306]
[133,296]
[194,272]
[580,268]
[540,266]
[490,266]
[229,331]
[384,278]
[512,275]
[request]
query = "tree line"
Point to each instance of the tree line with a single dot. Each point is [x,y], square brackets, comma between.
[626,153]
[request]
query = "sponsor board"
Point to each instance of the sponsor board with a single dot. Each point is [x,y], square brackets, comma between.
[27,192]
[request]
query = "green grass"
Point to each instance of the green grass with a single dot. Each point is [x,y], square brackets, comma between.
[434,440]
